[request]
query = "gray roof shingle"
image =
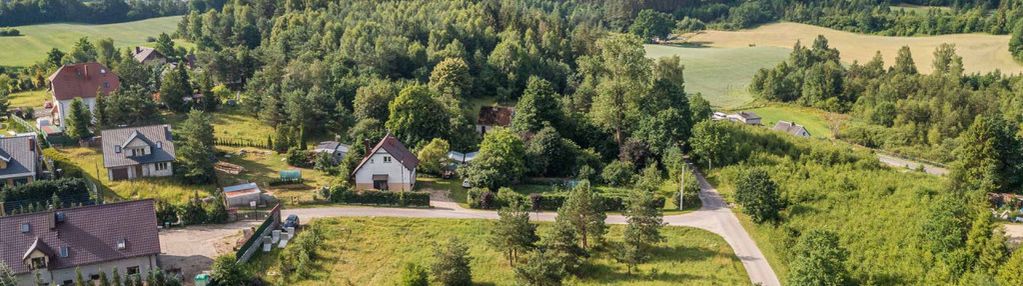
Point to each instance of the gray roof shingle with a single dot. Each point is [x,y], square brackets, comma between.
[22,155]
[90,233]
[154,135]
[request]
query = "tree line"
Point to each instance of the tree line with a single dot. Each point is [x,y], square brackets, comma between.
[27,12]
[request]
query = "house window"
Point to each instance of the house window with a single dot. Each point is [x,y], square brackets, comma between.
[138,152]
[161,166]
[68,282]
[38,263]
[94,277]
[117,148]
[25,228]
[387,159]
[380,185]
[122,244]
[106,85]
[65,251]
[371,161]
[133,270]
[159,144]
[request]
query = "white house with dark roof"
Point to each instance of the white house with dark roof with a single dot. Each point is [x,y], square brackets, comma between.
[388,166]
[133,152]
[745,117]
[94,239]
[791,128]
[19,159]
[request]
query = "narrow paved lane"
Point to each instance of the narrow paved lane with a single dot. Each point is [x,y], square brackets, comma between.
[910,164]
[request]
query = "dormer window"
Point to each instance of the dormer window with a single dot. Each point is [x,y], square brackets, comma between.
[117,148]
[38,263]
[65,251]
[25,228]
[122,244]
[159,144]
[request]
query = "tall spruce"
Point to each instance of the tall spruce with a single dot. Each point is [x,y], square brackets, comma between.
[583,211]
[194,145]
[78,120]
[451,267]
[512,233]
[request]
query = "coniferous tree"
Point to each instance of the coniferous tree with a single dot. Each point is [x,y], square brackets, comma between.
[512,233]
[451,267]
[175,87]
[7,275]
[582,211]
[643,230]
[540,269]
[194,146]
[78,119]
[79,280]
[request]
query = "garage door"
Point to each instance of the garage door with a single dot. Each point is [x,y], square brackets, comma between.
[120,174]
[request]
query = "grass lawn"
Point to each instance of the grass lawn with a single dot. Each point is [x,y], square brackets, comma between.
[372,251]
[233,123]
[37,40]
[815,120]
[34,99]
[261,166]
[721,74]
[981,52]
[90,160]
[921,10]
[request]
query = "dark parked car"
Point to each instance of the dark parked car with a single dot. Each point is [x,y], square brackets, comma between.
[291,221]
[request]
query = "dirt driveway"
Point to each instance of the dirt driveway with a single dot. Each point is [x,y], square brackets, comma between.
[191,250]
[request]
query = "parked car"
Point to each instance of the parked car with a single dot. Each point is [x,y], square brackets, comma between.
[291,221]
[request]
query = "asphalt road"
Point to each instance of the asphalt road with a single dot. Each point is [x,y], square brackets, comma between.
[912,165]
[191,244]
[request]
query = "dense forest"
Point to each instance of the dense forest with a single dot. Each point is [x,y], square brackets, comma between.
[26,12]
[929,116]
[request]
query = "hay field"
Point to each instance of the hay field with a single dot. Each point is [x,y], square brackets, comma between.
[980,52]
[721,74]
[36,40]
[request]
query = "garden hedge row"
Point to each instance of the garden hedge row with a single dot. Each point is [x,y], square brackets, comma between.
[375,197]
[485,199]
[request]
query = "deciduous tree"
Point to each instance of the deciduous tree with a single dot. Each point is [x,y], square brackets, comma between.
[758,195]
[819,260]
[416,116]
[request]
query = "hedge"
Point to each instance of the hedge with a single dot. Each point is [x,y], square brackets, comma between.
[344,194]
[281,182]
[480,198]
[69,190]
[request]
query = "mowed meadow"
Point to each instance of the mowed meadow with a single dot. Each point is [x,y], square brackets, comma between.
[36,40]
[981,52]
[373,251]
[721,74]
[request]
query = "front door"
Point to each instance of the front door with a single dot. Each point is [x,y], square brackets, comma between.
[138,171]
[380,185]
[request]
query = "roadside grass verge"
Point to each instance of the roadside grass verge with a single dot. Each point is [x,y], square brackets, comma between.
[373,251]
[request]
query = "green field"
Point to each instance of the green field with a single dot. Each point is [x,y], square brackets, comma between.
[815,121]
[721,74]
[372,251]
[37,40]
[34,99]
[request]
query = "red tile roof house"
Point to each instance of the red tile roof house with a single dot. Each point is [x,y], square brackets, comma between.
[85,81]
[96,238]
[19,160]
[493,116]
[388,166]
[133,152]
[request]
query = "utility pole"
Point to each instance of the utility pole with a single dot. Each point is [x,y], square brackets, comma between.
[682,188]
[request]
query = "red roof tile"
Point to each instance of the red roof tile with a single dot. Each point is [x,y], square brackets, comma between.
[83,80]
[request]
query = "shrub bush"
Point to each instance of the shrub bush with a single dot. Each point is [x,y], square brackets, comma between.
[68,190]
[608,202]
[344,194]
[281,182]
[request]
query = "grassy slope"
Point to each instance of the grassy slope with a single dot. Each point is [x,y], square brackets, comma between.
[37,40]
[814,120]
[721,74]
[980,52]
[372,251]
[32,99]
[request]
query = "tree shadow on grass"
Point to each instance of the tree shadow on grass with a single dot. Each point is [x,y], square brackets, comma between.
[682,253]
[609,275]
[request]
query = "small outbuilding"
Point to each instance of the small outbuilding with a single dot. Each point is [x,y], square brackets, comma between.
[243,195]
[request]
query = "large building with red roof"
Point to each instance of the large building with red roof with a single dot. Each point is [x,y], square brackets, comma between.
[85,81]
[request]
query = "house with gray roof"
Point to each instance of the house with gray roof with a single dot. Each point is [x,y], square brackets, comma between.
[336,149]
[791,128]
[19,160]
[94,239]
[147,55]
[134,152]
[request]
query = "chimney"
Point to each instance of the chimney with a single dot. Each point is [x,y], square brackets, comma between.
[365,144]
[137,49]
[86,67]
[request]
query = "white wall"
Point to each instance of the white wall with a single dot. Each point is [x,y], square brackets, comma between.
[395,171]
[148,170]
[60,275]
[64,107]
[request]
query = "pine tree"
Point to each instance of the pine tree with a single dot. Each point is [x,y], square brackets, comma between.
[643,229]
[79,280]
[103,280]
[78,120]
[562,243]
[512,232]
[174,88]
[7,275]
[116,278]
[451,267]
[582,210]
[540,269]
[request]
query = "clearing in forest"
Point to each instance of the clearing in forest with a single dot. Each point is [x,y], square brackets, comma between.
[36,40]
